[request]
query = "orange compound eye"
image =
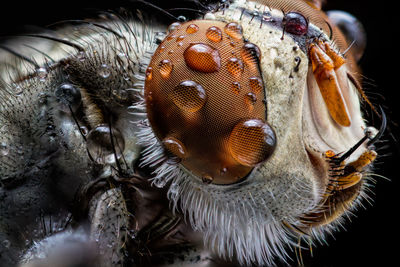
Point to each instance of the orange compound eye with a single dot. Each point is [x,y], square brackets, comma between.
[205,100]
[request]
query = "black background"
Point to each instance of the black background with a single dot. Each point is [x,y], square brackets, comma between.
[372,239]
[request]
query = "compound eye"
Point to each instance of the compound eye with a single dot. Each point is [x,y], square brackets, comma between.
[205,101]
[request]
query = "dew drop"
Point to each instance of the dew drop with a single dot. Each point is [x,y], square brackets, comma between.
[207,179]
[189,96]
[42,74]
[251,55]
[149,74]
[234,30]
[165,68]
[202,57]
[250,99]
[4,150]
[236,87]
[214,34]
[235,67]
[192,28]
[101,147]
[104,71]
[180,38]
[174,26]
[256,84]
[175,146]
[68,95]
[84,130]
[251,142]
[6,243]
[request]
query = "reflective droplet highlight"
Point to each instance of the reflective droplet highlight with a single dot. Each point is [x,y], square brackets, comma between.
[251,142]
[251,55]
[165,68]
[202,57]
[189,96]
[236,87]
[250,99]
[256,85]
[175,146]
[214,34]
[100,146]
[149,74]
[235,67]
[4,149]
[68,95]
[42,74]
[104,71]
[234,30]
[207,179]
[174,26]
[192,28]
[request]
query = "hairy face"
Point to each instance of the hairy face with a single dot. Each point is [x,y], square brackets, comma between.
[257,169]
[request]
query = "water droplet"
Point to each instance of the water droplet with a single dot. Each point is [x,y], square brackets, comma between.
[251,142]
[222,171]
[181,18]
[180,38]
[189,96]
[192,28]
[101,147]
[207,179]
[174,26]
[251,55]
[256,84]
[235,67]
[175,146]
[42,74]
[161,49]
[104,71]
[68,95]
[214,34]
[202,57]
[4,150]
[84,130]
[165,68]
[236,87]
[250,99]
[6,243]
[149,74]
[234,30]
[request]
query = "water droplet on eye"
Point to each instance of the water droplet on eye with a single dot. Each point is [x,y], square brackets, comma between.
[189,96]
[104,71]
[223,171]
[214,34]
[250,99]
[235,67]
[192,28]
[256,84]
[251,142]
[68,95]
[234,30]
[180,38]
[207,179]
[100,146]
[175,146]
[42,74]
[174,26]
[251,55]
[149,74]
[202,57]
[181,18]
[236,87]
[165,68]
[4,150]
[84,130]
